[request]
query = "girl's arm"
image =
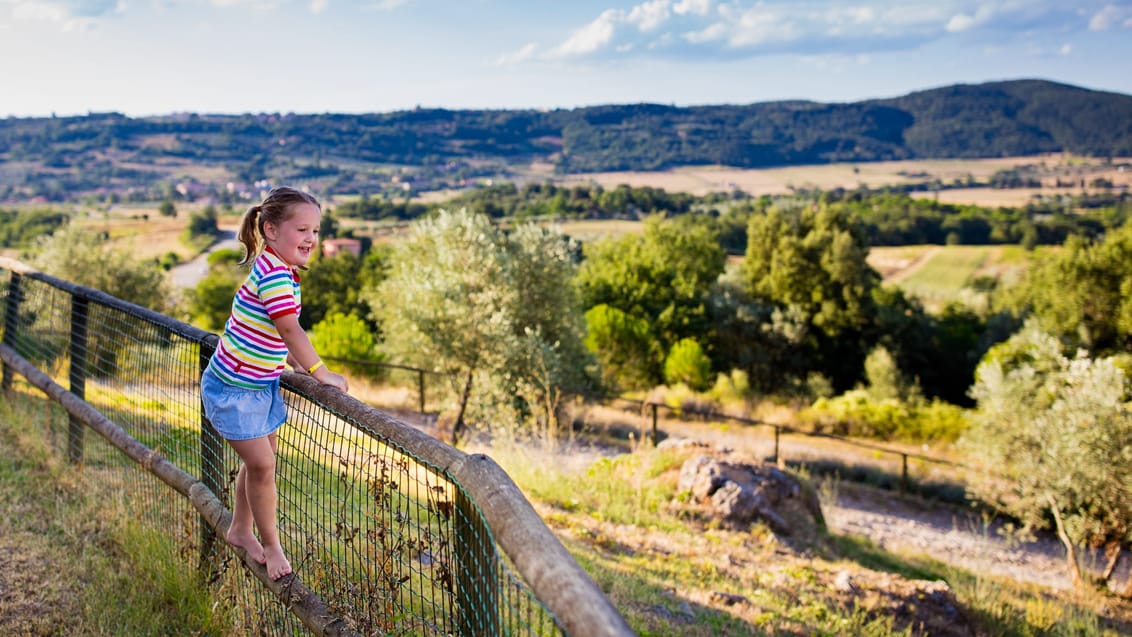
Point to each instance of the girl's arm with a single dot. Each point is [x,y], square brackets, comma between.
[301,354]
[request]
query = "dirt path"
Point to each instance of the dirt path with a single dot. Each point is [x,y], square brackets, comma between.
[957,537]
[186,275]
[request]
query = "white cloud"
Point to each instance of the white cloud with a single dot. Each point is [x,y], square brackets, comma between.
[959,23]
[650,15]
[388,5]
[69,15]
[522,55]
[318,6]
[761,25]
[710,33]
[591,37]
[692,7]
[1066,49]
[1109,17]
[710,29]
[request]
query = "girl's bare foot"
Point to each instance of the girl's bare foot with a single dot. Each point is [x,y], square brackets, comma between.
[277,564]
[247,541]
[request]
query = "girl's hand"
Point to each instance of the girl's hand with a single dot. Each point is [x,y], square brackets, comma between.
[327,377]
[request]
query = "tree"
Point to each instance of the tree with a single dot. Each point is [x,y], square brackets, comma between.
[334,284]
[623,346]
[663,276]
[167,209]
[1054,437]
[885,381]
[83,257]
[466,300]
[687,364]
[814,262]
[202,229]
[1083,293]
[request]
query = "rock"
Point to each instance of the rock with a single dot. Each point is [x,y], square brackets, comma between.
[741,493]
[844,582]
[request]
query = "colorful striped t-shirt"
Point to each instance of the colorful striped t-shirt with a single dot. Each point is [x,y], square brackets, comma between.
[251,353]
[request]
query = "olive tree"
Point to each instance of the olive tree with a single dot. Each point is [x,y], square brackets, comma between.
[490,310]
[85,258]
[1054,436]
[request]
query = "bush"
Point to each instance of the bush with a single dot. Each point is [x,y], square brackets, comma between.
[687,363]
[855,413]
[346,336]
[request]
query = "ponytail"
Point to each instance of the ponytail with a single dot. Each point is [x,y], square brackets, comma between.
[249,234]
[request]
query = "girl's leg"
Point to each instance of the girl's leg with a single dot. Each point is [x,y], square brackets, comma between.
[258,455]
[241,531]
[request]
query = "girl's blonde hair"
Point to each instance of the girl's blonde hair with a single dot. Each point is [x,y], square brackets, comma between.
[276,208]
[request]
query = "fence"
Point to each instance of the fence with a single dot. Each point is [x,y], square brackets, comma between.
[651,410]
[389,531]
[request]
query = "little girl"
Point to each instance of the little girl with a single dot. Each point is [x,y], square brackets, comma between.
[240,386]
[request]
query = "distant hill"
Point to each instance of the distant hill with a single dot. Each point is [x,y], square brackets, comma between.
[102,153]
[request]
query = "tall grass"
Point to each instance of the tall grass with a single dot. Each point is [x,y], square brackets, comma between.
[98,572]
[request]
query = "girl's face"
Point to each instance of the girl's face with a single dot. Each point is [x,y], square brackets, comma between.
[296,238]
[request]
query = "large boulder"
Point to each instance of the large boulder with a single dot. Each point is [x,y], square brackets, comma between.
[740,493]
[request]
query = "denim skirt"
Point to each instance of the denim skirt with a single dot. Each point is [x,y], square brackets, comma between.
[238,413]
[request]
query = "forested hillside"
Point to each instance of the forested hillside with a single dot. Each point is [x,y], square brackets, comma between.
[110,154]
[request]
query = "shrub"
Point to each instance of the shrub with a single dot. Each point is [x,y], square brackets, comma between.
[855,413]
[346,336]
[687,363]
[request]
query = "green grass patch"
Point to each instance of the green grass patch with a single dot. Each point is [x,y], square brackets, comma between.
[96,571]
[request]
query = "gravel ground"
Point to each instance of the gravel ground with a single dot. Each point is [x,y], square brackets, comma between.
[955,537]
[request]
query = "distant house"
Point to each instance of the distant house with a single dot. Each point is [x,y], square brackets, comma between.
[331,247]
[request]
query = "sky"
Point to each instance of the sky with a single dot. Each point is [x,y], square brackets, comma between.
[157,57]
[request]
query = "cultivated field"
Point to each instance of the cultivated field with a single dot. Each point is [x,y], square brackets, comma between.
[701,180]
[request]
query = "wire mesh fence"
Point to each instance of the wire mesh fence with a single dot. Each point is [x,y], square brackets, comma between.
[374,515]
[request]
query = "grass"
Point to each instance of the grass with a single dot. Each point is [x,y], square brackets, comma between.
[940,274]
[670,573]
[667,570]
[86,566]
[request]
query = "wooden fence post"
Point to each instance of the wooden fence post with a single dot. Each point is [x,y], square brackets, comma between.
[11,323]
[211,468]
[777,430]
[477,572]
[904,473]
[420,388]
[80,309]
[655,432]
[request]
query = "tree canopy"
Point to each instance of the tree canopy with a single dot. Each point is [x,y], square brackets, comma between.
[491,311]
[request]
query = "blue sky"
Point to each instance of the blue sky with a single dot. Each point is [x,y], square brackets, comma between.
[147,57]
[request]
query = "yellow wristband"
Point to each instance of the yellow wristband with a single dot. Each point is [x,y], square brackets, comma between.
[314,368]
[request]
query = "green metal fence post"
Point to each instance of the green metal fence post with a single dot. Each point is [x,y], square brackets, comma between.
[477,580]
[80,309]
[11,322]
[211,468]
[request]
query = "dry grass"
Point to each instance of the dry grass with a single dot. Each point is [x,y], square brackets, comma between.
[701,180]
